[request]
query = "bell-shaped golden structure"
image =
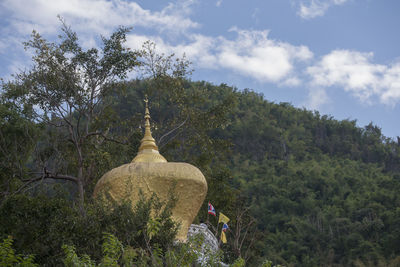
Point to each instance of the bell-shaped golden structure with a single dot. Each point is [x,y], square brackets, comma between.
[149,172]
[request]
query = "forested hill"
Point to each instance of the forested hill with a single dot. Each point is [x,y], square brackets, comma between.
[300,188]
[322,191]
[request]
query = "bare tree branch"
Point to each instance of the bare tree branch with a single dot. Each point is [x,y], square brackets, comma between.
[173,130]
[105,137]
[49,175]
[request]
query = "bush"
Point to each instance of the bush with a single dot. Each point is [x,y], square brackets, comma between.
[42,225]
[115,254]
[8,257]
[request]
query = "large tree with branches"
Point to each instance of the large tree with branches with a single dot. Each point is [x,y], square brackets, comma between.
[65,90]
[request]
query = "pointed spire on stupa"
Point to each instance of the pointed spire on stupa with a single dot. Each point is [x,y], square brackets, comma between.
[148,150]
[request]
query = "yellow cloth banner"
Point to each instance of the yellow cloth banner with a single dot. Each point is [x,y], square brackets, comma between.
[223,218]
[223,237]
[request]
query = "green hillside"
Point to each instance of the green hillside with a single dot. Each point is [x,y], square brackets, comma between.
[323,191]
[300,188]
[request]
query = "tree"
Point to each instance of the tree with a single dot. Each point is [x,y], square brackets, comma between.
[65,89]
[184,113]
[244,230]
[18,135]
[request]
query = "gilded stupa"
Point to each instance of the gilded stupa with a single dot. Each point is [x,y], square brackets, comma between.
[149,172]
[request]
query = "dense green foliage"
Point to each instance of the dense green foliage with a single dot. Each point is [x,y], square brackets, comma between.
[323,191]
[42,225]
[8,257]
[116,254]
[301,189]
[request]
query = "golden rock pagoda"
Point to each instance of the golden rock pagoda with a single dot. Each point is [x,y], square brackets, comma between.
[149,172]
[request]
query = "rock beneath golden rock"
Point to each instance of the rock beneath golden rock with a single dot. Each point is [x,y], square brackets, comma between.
[149,172]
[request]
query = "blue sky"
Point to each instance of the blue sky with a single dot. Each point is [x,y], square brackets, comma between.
[340,57]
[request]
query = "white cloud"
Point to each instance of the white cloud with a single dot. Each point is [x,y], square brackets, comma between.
[198,48]
[219,2]
[250,54]
[391,82]
[253,54]
[355,72]
[316,98]
[98,16]
[317,8]
[292,81]
[89,19]
[313,9]
[201,50]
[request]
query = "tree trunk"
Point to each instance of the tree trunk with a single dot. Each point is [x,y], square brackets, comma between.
[81,191]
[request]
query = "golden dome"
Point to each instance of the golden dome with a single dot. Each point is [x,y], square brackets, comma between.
[149,172]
